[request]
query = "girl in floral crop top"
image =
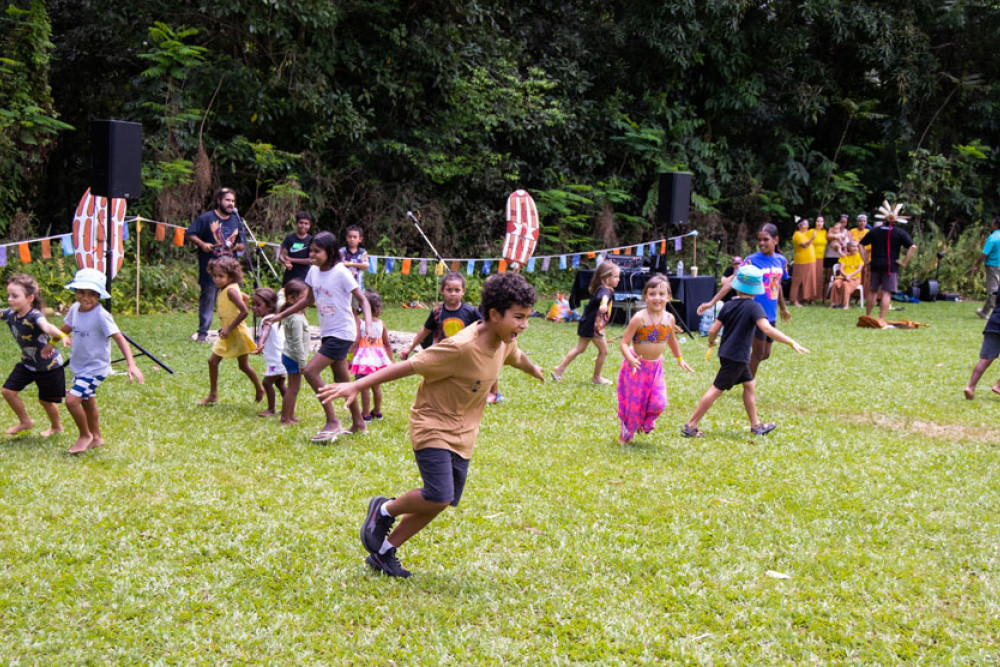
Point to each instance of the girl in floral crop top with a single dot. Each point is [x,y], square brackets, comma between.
[642,392]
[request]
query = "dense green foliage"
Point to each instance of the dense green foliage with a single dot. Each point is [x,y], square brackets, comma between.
[362,109]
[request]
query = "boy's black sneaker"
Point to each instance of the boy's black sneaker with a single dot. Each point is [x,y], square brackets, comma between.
[387,564]
[376,527]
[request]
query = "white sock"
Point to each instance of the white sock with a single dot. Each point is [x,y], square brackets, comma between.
[385,546]
[384,510]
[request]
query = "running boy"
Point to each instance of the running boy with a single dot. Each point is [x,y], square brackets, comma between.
[444,419]
[740,317]
[989,351]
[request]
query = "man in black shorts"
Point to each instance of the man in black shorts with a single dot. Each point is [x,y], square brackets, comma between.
[886,243]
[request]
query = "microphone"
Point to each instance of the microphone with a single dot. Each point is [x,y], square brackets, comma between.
[236,212]
[410,215]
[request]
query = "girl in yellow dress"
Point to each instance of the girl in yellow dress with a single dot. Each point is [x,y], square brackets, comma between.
[234,337]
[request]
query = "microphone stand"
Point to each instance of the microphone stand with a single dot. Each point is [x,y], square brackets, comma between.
[718,256]
[437,255]
[251,257]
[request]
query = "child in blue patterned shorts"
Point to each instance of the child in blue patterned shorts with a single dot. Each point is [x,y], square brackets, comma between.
[90,358]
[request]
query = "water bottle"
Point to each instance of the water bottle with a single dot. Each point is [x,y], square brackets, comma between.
[707,320]
[680,267]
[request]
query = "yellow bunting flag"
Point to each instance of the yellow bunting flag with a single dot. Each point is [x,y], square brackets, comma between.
[406,266]
[22,248]
[46,249]
[440,268]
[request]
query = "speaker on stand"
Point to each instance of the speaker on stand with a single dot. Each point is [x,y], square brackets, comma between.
[674,203]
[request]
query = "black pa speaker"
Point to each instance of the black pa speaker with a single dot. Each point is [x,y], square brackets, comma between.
[116,170]
[674,205]
[929,290]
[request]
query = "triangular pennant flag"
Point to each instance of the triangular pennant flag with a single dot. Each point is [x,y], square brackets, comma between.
[441,268]
[178,236]
[407,262]
[67,244]
[390,263]
[503,266]
[161,232]
[22,248]
[531,265]
[46,249]
[677,244]
[470,267]
[3,255]
[124,231]
[562,261]
[487,265]
[545,263]
[372,263]
[576,261]
[423,267]
[638,251]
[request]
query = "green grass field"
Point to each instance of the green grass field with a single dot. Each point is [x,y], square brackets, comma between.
[208,535]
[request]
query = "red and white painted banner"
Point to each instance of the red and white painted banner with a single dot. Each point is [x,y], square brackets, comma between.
[522,229]
[90,229]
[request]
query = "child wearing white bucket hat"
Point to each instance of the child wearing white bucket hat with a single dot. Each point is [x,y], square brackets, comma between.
[740,317]
[90,359]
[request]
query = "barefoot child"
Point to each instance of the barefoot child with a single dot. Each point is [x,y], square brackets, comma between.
[448,317]
[32,333]
[445,417]
[595,317]
[741,317]
[774,269]
[90,357]
[642,393]
[370,357]
[296,352]
[330,285]
[234,337]
[272,345]
[989,351]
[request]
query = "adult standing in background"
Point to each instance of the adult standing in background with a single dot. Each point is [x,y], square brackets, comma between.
[294,252]
[803,278]
[886,242]
[819,246]
[991,258]
[215,233]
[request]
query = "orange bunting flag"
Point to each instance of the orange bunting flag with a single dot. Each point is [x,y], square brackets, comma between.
[46,249]
[178,236]
[406,266]
[22,248]
[616,251]
[503,266]
[590,255]
[628,251]
[454,265]
[161,232]
[663,247]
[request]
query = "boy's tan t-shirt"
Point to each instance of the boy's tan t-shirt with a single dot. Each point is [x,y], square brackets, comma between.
[457,374]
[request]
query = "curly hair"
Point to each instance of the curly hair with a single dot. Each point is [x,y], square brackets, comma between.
[30,287]
[453,276]
[503,290]
[228,265]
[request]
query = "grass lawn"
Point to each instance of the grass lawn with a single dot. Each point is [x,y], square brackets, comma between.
[209,535]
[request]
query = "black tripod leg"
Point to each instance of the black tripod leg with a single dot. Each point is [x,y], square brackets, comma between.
[678,318]
[143,352]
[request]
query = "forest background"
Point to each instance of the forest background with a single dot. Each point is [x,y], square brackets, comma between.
[361,110]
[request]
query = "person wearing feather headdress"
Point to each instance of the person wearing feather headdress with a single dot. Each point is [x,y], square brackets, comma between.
[887,242]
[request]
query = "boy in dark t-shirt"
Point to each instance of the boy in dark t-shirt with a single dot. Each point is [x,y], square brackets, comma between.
[294,252]
[740,317]
[448,317]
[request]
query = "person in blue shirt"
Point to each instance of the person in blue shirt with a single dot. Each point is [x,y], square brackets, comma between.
[991,258]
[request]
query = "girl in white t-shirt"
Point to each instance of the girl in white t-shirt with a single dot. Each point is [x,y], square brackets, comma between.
[271,344]
[330,287]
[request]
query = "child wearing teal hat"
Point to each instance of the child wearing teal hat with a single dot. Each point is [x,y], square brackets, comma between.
[740,317]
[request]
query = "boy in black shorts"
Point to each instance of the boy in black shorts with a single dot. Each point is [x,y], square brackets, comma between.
[444,419]
[741,317]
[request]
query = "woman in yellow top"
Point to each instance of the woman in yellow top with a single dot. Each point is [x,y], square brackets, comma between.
[819,247]
[803,268]
[847,277]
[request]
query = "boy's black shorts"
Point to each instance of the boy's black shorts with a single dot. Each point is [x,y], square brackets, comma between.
[51,384]
[991,346]
[731,374]
[443,472]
